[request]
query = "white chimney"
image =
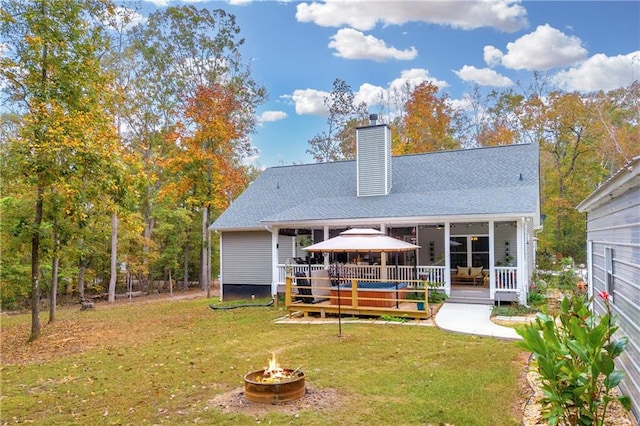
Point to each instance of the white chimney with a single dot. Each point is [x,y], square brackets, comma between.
[373,159]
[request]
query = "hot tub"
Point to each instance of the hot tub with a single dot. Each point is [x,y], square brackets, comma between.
[370,293]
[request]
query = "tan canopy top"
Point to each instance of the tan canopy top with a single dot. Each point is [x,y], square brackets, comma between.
[361,240]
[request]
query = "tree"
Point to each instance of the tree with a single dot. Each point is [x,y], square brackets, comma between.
[618,112]
[179,52]
[497,118]
[54,76]
[569,143]
[427,122]
[207,161]
[338,142]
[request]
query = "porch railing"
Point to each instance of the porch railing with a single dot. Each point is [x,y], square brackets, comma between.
[433,274]
[506,278]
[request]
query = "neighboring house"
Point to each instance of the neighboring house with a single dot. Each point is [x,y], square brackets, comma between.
[613,256]
[474,207]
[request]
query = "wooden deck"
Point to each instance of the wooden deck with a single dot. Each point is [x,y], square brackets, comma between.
[405,309]
[327,303]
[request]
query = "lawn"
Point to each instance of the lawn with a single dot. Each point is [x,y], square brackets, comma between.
[165,362]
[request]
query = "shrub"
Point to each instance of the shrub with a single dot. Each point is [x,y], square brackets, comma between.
[575,351]
[568,278]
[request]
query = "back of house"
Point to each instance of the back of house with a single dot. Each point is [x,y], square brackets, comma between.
[469,208]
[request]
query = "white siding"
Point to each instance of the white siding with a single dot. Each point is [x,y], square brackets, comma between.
[286,249]
[373,160]
[246,258]
[616,225]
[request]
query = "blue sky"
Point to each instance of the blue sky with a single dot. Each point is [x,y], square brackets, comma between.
[297,49]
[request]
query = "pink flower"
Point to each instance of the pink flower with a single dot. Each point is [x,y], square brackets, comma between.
[603,295]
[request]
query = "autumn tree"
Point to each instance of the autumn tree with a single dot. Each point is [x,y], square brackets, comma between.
[426,123]
[494,118]
[54,77]
[338,142]
[571,135]
[618,112]
[209,150]
[176,52]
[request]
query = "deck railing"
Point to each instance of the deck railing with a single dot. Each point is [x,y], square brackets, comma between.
[433,274]
[506,278]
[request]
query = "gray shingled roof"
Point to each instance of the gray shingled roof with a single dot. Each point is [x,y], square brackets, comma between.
[446,183]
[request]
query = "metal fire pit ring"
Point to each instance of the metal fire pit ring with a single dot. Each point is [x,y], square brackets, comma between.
[288,390]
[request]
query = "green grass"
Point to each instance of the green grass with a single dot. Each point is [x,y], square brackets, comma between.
[164,362]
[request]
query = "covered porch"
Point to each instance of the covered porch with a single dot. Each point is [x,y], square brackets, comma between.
[503,250]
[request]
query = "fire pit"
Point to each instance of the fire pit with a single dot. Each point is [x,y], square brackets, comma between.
[274,384]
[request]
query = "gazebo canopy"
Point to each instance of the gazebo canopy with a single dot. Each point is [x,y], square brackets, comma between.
[361,240]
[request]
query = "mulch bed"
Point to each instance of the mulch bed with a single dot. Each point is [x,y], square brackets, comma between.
[532,416]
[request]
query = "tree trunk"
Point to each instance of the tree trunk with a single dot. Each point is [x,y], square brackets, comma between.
[114,258]
[185,282]
[35,266]
[204,280]
[170,284]
[54,278]
[149,225]
[81,270]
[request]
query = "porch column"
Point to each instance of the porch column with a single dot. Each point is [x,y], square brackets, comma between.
[325,229]
[492,260]
[447,258]
[383,258]
[521,260]
[274,260]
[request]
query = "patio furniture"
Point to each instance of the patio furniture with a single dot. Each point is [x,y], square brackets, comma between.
[465,275]
[303,289]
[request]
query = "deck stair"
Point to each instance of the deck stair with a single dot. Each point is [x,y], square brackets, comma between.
[470,294]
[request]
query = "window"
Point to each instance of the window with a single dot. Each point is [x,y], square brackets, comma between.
[472,250]
[480,251]
[608,271]
[458,247]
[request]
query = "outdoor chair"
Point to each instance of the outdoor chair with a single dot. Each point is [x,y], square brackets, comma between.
[303,289]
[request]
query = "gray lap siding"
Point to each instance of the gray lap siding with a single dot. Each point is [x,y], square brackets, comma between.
[246,258]
[615,225]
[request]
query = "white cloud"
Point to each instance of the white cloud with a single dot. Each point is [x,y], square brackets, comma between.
[462,104]
[369,94]
[492,56]
[158,3]
[601,72]
[268,116]
[543,49]
[415,76]
[504,15]
[310,102]
[239,2]
[483,76]
[352,44]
